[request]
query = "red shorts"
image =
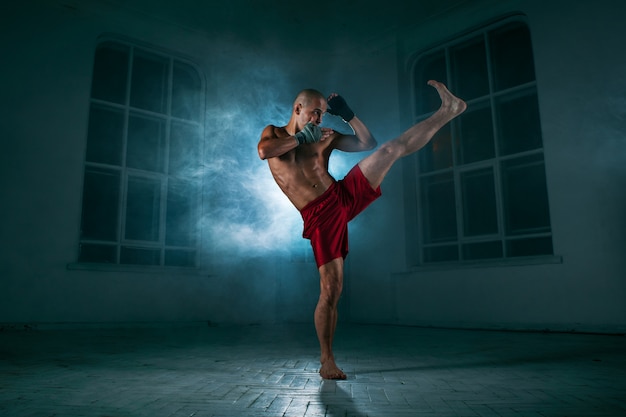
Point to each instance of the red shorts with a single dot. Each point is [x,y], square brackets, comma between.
[326,218]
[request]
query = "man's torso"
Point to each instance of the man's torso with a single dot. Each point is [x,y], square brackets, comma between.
[302,173]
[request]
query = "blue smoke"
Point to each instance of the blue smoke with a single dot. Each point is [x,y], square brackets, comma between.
[245,212]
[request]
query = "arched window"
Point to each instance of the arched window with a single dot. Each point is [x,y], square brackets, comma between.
[481,181]
[142,188]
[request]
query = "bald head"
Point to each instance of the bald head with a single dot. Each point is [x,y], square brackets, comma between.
[305,97]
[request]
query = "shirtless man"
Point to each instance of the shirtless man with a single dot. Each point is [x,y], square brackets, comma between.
[298,155]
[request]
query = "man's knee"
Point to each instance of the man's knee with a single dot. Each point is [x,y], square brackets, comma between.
[330,296]
[387,154]
[331,289]
[331,282]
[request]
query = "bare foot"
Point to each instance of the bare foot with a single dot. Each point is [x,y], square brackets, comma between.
[329,370]
[449,102]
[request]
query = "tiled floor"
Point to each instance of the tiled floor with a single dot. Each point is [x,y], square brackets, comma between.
[272,371]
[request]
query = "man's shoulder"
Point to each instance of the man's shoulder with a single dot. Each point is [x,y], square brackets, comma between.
[275,131]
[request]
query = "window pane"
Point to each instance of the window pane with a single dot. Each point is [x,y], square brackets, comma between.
[479,203]
[185,153]
[518,123]
[104,254]
[438,208]
[530,246]
[441,253]
[105,135]
[525,195]
[512,56]
[110,73]
[140,256]
[476,142]
[437,154]
[482,250]
[148,87]
[431,67]
[100,204]
[143,209]
[186,92]
[146,143]
[181,213]
[180,258]
[469,69]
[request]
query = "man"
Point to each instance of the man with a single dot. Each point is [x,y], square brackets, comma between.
[298,155]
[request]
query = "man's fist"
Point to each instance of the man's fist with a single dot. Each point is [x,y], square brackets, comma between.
[339,107]
[311,133]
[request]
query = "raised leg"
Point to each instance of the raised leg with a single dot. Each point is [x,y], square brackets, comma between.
[331,283]
[376,166]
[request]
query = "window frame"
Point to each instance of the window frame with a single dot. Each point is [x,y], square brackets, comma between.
[171,115]
[418,242]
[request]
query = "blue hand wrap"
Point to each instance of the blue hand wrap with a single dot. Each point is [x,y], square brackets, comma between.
[311,133]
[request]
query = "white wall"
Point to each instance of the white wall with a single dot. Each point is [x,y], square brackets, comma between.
[580,67]
[251,64]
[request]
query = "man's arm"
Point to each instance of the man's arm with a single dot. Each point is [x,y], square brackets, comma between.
[362,140]
[271,145]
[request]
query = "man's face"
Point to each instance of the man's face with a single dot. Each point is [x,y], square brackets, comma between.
[314,111]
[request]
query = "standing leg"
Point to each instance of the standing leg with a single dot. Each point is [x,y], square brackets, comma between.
[331,283]
[376,166]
